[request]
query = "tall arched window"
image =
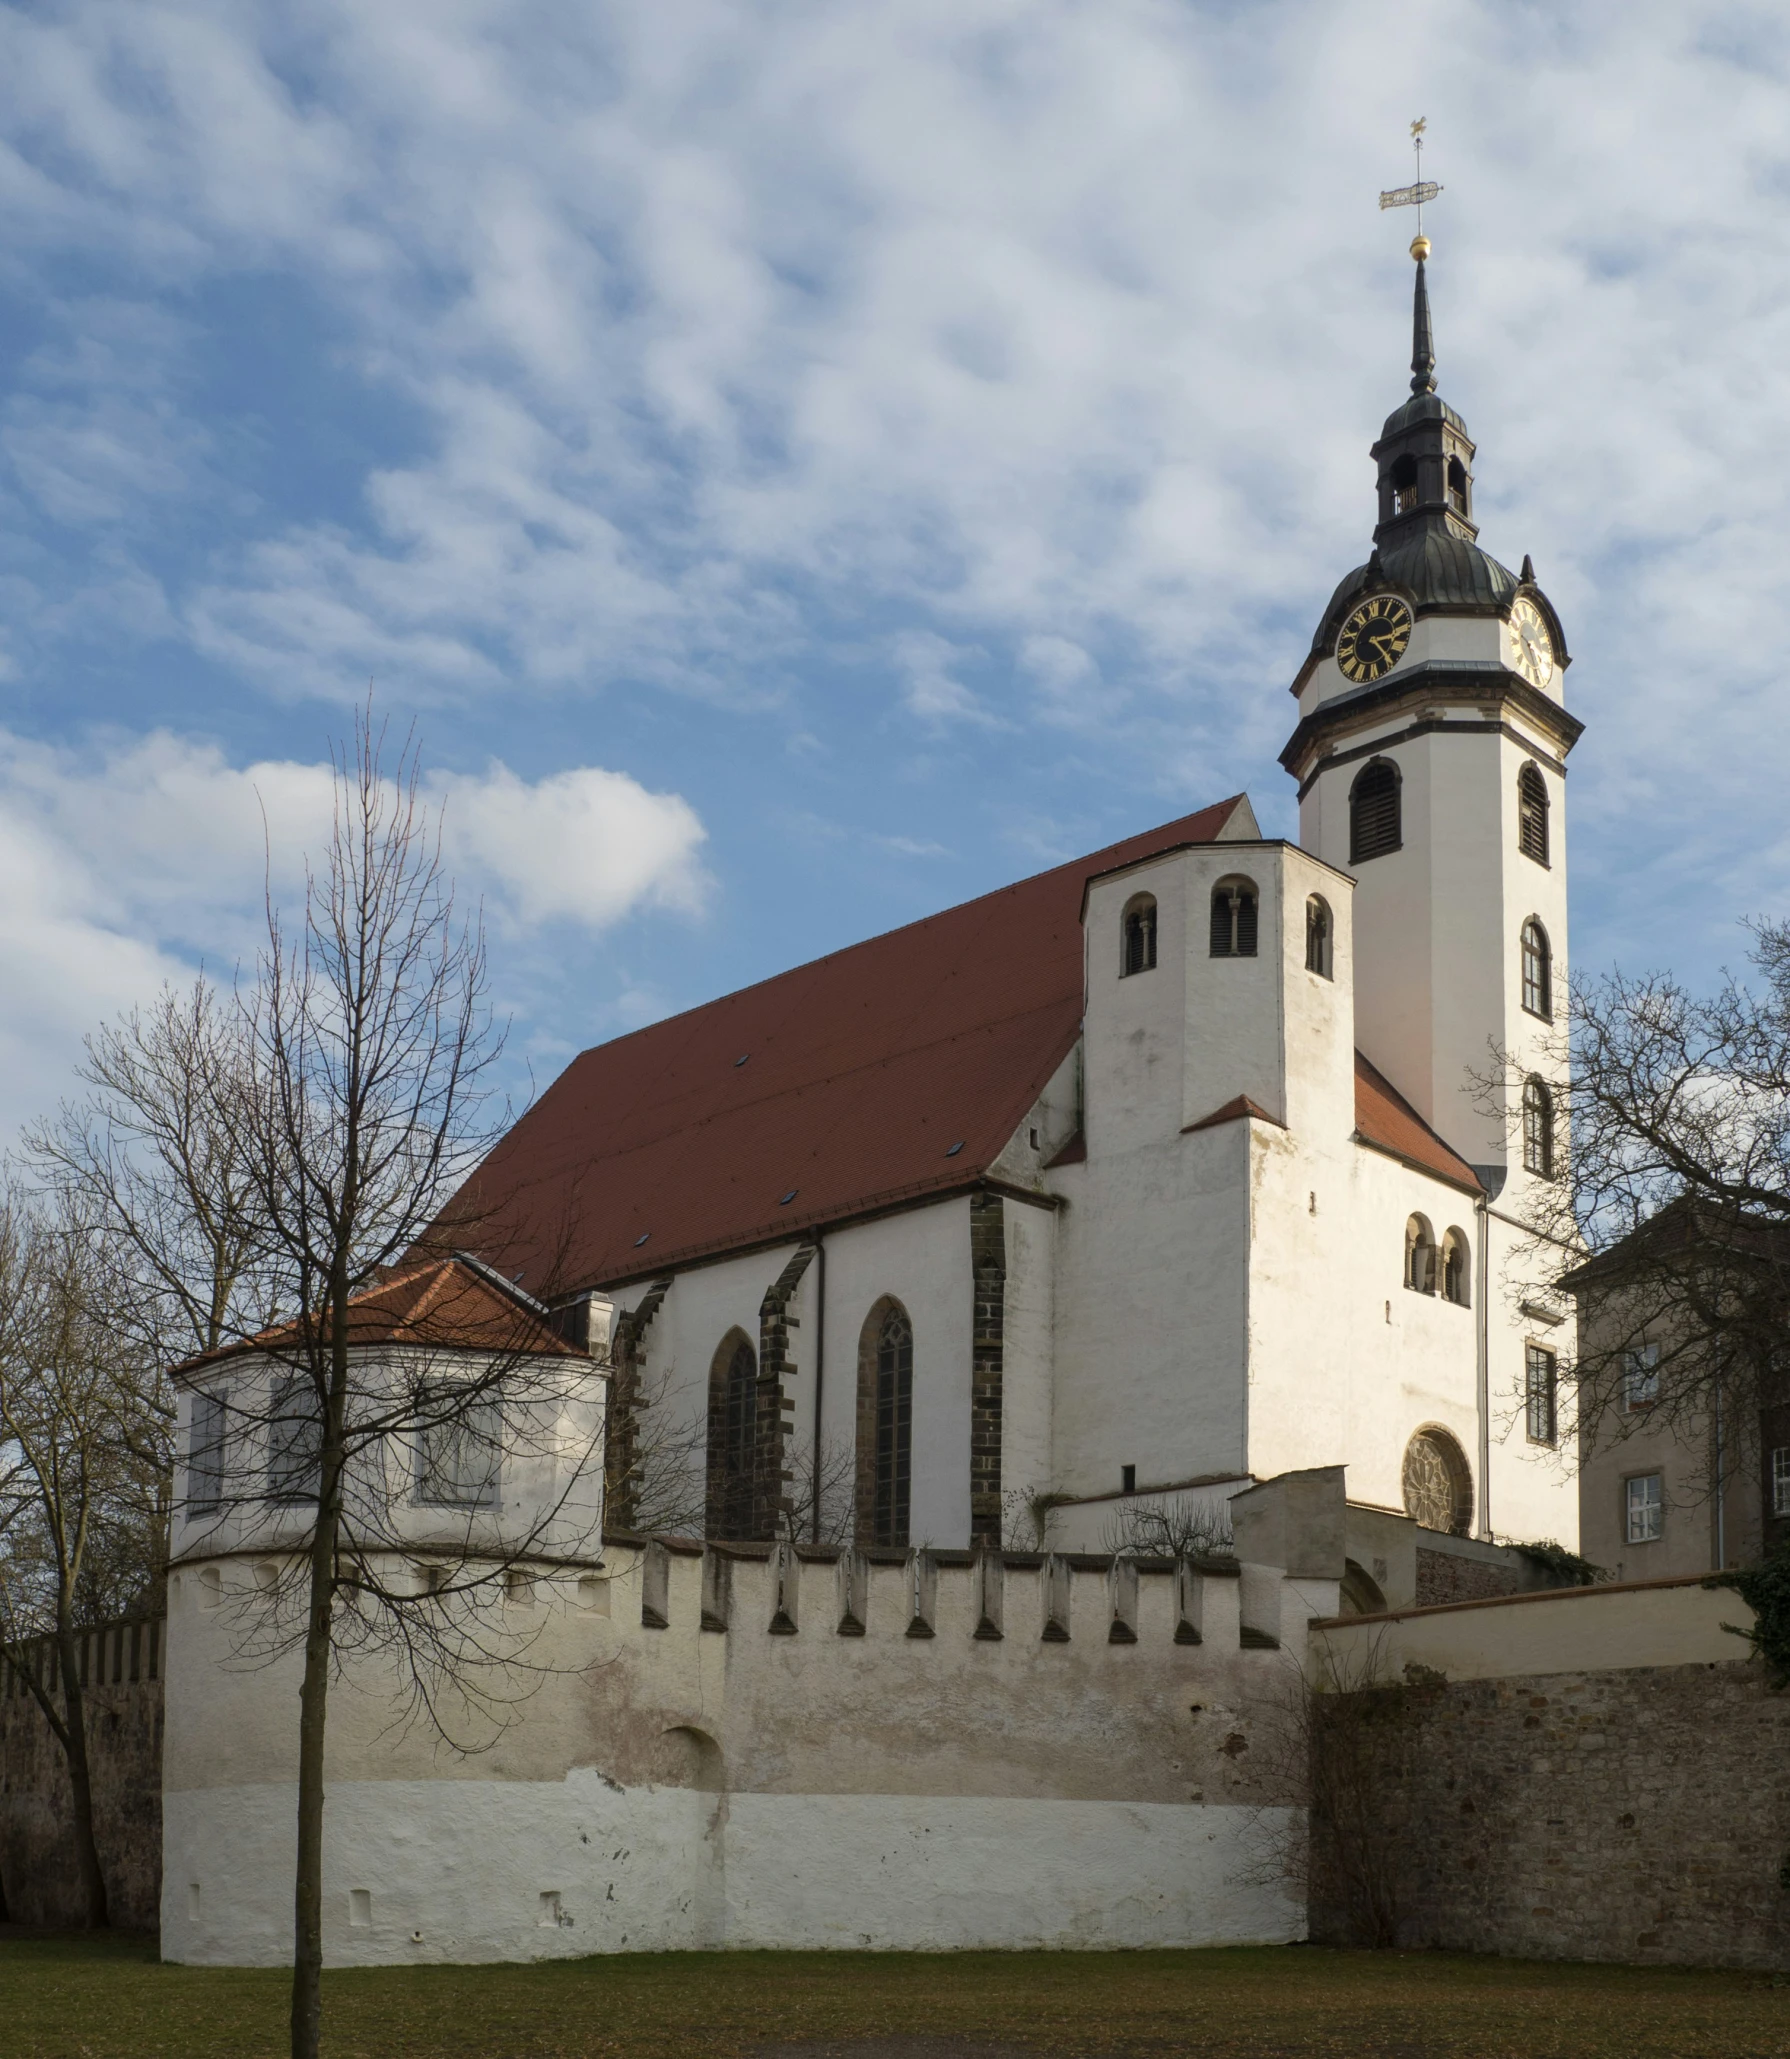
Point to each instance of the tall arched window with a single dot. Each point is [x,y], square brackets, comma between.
[1457,486]
[1455,1262]
[1317,936]
[1140,935]
[733,1498]
[885,1424]
[1538,971]
[1404,485]
[1538,1129]
[1420,1256]
[1234,919]
[1532,814]
[1375,823]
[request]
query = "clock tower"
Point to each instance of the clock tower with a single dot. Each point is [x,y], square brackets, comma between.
[1430,752]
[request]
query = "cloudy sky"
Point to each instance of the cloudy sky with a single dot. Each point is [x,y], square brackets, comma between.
[802,464]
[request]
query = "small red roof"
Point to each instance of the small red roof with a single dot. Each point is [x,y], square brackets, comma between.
[895,1069]
[1385,1119]
[441,1304]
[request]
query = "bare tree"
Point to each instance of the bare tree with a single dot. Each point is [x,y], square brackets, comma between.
[83,1479]
[1175,1526]
[1665,1205]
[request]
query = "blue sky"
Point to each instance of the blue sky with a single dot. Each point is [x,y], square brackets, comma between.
[801,465]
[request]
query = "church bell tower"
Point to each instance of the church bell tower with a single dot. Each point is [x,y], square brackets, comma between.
[1430,753]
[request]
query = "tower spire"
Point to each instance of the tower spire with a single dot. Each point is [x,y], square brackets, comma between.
[1423,340]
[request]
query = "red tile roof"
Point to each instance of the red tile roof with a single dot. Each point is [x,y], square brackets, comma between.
[441,1304]
[893,1070]
[1232,1111]
[1385,1119]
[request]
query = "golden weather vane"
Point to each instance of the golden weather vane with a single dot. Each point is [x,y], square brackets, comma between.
[1414,195]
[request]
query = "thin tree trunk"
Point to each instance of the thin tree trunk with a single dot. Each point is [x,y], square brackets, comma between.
[313,1707]
[80,1780]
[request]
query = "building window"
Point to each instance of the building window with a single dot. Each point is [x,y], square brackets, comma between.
[1532,814]
[205,1454]
[1541,1389]
[1438,1485]
[1538,1129]
[1640,1379]
[1404,485]
[1538,971]
[457,1452]
[1457,486]
[294,1440]
[1420,1256]
[894,1427]
[1317,936]
[733,1498]
[1375,819]
[1455,1280]
[1233,919]
[1140,935]
[1780,1481]
[1645,1503]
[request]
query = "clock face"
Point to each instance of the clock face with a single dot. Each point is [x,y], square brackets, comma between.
[1373,639]
[1529,647]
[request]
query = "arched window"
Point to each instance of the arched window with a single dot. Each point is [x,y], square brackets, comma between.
[1457,486]
[1538,1129]
[885,1424]
[1233,919]
[1375,825]
[1140,935]
[1437,1482]
[1404,485]
[733,1468]
[1532,814]
[1455,1264]
[1420,1256]
[1538,971]
[1317,936]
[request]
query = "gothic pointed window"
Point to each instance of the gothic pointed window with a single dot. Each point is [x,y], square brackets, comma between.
[1532,814]
[733,1456]
[1140,935]
[885,1425]
[1538,971]
[1375,817]
[1317,936]
[1538,1129]
[1234,919]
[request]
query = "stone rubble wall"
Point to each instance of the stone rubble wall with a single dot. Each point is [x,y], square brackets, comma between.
[121,1670]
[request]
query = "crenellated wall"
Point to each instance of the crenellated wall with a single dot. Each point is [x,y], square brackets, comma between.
[768,1746]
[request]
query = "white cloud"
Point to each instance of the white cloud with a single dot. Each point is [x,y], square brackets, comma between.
[130,862]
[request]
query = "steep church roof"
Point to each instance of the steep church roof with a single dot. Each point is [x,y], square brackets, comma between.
[891,1071]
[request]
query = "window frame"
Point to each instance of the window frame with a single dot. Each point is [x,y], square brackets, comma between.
[1421,1238]
[1777,1468]
[1361,797]
[284,1483]
[1640,1379]
[1320,937]
[1541,1396]
[1454,1245]
[430,1488]
[1538,1128]
[1533,807]
[207,1453]
[1139,913]
[1241,924]
[1656,1505]
[1535,953]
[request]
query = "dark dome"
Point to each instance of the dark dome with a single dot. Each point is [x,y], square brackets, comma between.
[1435,566]
[1421,407]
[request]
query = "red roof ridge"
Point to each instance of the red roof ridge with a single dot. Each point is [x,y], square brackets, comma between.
[1233,1111]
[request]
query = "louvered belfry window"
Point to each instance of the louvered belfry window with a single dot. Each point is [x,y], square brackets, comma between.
[1532,815]
[1375,825]
[891,1483]
[1233,919]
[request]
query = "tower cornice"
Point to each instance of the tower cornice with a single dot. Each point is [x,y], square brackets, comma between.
[1491,691]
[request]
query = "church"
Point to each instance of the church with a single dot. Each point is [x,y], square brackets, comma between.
[1005,1338]
[1149,1176]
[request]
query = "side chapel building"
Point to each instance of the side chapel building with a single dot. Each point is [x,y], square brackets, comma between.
[1156,1173]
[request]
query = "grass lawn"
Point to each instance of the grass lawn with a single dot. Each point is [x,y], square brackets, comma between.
[68,1998]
